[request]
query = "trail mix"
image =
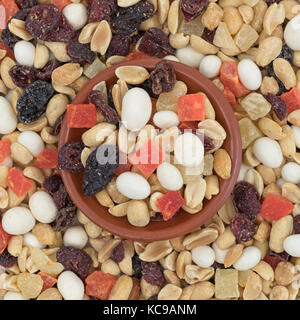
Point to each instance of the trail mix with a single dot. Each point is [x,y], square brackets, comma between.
[50,249]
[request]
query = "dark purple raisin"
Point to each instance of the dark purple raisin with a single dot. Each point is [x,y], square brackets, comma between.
[22,76]
[156,43]
[208,144]
[242,228]
[110,97]
[61,197]
[154,297]
[33,101]
[7,260]
[209,35]
[146,85]
[64,32]
[52,183]
[286,53]
[297,224]
[192,9]
[65,218]
[136,37]
[270,2]
[80,53]
[152,273]
[42,20]
[110,114]
[137,266]
[246,199]
[118,253]
[25,4]
[102,10]
[99,170]
[278,105]
[57,125]
[46,72]
[163,77]
[75,260]
[158,217]
[69,156]
[119,46]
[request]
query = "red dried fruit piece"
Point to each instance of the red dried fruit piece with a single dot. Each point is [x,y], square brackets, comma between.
[191,9]
[9,53]
[229,77]
[102,10]
[48,280]
[7,260]
[208,144]
[148,158]
[169,204]
[230,97]
[191,107]
[26,4]
[163,77]
[152,273]
[242,228]
[81,115]
[69,156]
[61,3]
[209,35]
[272,261]
[124,164]
[18,183]
[47,159]
[188,125]
[119,46]
[46,72]
[10,9]
[22,76]
[291,99]
[275,207]
[99,284]
[137,55]
[118,253]
[4,149]
[278,105]
[79,52]
[4,238]
[63,33]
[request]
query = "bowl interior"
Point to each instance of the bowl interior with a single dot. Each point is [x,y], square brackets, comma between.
[184,222]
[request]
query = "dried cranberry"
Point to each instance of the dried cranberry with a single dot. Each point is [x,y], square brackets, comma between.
[46,72]
[278,106]
[75,260]
[156,43]
[118,253]
[163,77]
[65,217]
[52,184]
[80,53]
[57,125]
[209,35]
[22,76]
[61,197]
[69,156]
[7,260]
[102,10]
[63,33]
[286,53]
[119,46]
[128,19]
[246,199]
[297,224]
[208,144]
[191,9]
[242,228]
[25,4]
[137,266]
[152,273]
[42,20]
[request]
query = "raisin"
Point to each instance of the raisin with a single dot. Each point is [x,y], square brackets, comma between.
[42,20]
[192,9]
[102,10]
[154,297]
[136,37]
[152,273]
[99,170]
[65,218]
[278,106]
[270,2]
[208,144]
[158,217]
[128,19]
[80,53]
[119,46]
[147,85]
[271,73]
[52,184]
[69,156]
[297,224]
[75,260]
[110,97]
[63,33]
[46,72]
[22,76]
[209,35]
[286,53]
[246,199]
[7,260]
[25,4]
[33,101]
[156,43]
[57,125]
[242,228]
[163,77]
[110,114]
[61,197]
[137,266]
[118,253]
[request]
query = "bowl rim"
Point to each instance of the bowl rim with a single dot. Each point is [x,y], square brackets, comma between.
[198,219]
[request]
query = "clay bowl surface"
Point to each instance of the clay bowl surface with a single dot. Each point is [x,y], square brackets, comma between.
[184,222]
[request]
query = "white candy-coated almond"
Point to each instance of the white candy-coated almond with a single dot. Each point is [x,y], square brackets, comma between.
[18,220]
[43,207]
[169,176]
[8,119]
[70,286]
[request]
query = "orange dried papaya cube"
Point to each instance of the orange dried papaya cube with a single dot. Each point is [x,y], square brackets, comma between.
[61,3]
[47,159]
[275,207]
[4,149]
[169,204]
[17,182]
[292,99]
[48,280]
[230,79]
[148,158]
[10,8]
[230,97]
[4,239]
[99,284]
[191,107]
[81,115]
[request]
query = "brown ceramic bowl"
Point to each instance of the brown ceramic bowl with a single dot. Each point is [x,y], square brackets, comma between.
[184,222]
